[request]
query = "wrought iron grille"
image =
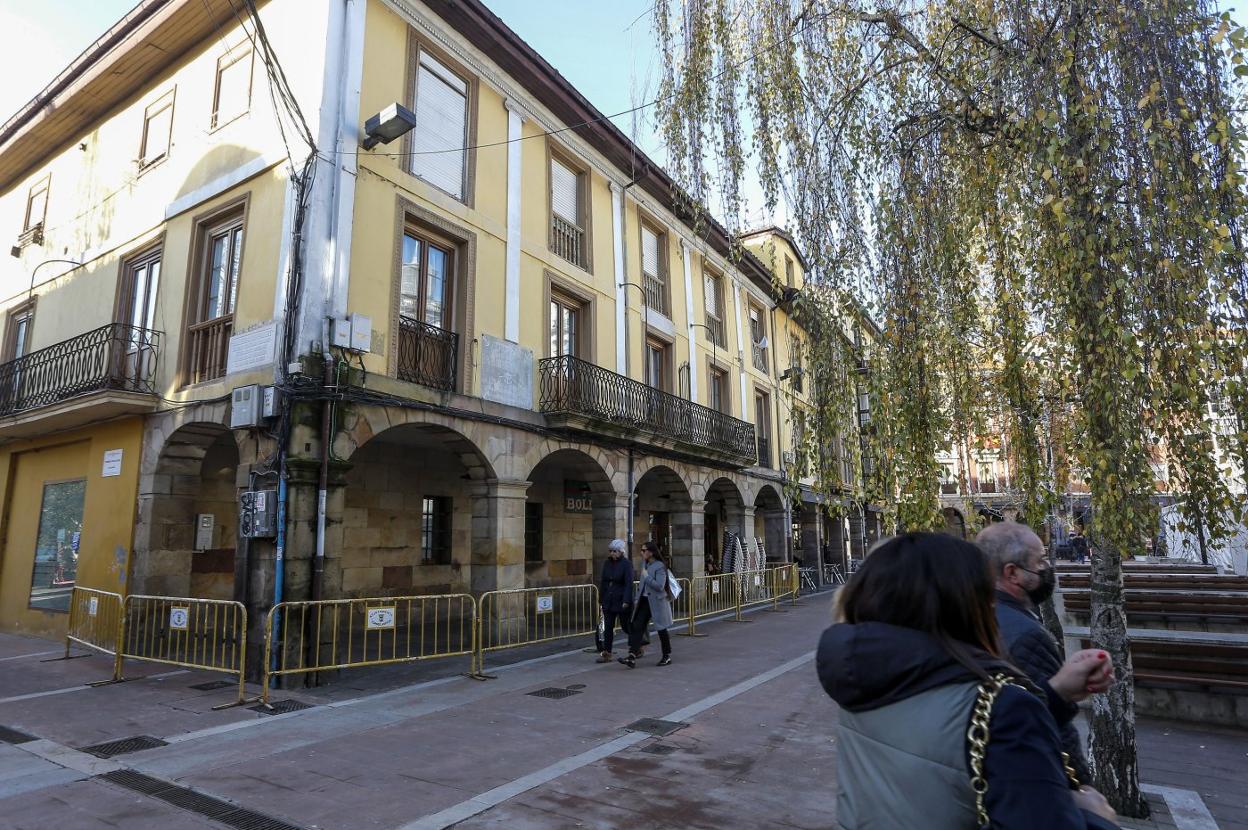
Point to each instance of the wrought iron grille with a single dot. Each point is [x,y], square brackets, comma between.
[427,354]
[574,386]
[115,356]
[567,240]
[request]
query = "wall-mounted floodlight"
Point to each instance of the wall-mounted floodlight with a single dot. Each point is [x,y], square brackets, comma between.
[387,125]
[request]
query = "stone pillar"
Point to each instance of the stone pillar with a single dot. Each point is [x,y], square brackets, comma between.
[497,557]
[748,529]
[610,522]
[688,527]
[775,534]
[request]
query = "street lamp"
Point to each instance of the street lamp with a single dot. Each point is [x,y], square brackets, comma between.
[392,122]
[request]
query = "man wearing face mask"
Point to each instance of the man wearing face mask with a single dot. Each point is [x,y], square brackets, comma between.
[1024,581]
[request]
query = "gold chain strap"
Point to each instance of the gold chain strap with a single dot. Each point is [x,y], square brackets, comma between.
[977,736]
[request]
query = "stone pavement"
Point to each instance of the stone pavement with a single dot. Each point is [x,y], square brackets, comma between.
[753,743]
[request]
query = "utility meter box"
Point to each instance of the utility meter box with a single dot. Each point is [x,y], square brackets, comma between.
[257,514]
[245,407]
[205,524]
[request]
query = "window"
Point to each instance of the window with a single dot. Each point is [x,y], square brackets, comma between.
[439,142]
[658,374]
[713,302]
[565,327]
[157,128]
[425,286]
[653,272]
[717,390]
[232,95]
[568,218]
[762,428]
[138,302]
[788,271]
[215,293]
[758,337]
[37,208]
[435,530]
[17,331]
[795,363]
[533,532]
[56,545]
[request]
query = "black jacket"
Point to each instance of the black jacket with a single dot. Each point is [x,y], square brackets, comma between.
[1033,650]
[871,665]
[615,591]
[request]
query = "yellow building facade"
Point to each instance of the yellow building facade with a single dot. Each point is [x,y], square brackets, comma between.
[476,352]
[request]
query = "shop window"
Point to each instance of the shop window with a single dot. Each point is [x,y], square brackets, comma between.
[57,545]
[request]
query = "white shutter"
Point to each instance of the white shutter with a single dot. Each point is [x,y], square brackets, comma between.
[438,142]
[649,252]
[711,295]
[563,192]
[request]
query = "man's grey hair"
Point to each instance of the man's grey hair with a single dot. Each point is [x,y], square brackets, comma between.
[1007,543]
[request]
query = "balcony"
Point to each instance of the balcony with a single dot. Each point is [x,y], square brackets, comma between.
[208,347]
[949,488]
[567,240]
[578,395]
[987,487]
[103,373]
[427,354]
[656,294]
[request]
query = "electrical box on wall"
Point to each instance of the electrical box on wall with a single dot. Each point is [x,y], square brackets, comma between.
[205,524]
[340,334]
[257,514]
[361,333]
[245,407]
[269,402]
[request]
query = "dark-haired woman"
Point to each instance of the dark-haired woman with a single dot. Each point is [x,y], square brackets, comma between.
[914,652]
[651,605]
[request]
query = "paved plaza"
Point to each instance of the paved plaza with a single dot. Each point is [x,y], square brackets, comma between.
[751,744]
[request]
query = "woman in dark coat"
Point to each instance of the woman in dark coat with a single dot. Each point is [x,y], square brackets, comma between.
[915,649]
[615,592]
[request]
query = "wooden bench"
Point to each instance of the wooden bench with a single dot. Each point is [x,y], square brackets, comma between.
[1186,660]
[1132,566]
[1172,607]
[1167,581]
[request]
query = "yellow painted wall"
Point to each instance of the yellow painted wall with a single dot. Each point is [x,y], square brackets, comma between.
[108,514]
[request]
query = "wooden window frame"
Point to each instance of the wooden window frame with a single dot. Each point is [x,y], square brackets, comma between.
[769,433]
[716,276]
[26,310]
[562,289]
[31,226]
[166,101]
[204,227]
[584,204]
[714,367]
[239,54]
[416,44]
[668,348]
[645,221]
[449,299]
[755,349]
[789,272]
[439,548]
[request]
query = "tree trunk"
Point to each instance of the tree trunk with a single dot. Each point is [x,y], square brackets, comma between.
[1112,751]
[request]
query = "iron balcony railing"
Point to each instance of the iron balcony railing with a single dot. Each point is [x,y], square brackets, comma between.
[113,357]
[567,240]
[427,354]
[577,387]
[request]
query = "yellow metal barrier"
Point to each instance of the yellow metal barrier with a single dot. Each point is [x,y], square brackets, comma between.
[205,634]
[782,581]
[755,587]
[95,621]
[374,631]
[524,616]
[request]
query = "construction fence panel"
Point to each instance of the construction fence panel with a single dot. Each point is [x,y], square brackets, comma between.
[524,616]
[95,619]
[203,634]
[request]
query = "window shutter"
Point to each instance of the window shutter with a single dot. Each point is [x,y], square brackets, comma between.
[650,252]
[438,142]
[563,192]
[711,292]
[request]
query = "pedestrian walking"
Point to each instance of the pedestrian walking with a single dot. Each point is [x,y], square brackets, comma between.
[1024,581]
[1079,547]
[652,604]
[615,592]
[937,730]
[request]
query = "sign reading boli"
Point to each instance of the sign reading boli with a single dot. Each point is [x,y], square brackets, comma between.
[577,497]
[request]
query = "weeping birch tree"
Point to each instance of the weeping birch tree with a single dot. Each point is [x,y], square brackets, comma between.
[1045,200]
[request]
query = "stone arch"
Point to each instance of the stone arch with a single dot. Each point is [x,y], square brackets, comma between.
[771,521]
[724,511]
[665,512]
[670,469]
[194,469]
[955,522]
[572,512]
[362,425]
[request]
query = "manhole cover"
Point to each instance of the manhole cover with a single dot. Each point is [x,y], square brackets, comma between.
[659,749]
[213,685]
[281,707]
[13,736]
[138,743]
[554,693]
[576,687]
[655,726]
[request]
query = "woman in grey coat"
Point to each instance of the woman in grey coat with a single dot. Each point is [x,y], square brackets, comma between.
[651,604]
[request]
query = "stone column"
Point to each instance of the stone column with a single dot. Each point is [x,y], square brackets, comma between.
[610,522]
[497,558]
[748,533]
[775,534]
[688,527]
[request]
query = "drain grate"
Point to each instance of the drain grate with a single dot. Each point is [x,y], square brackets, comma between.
[121,746]
[187,799]
[281,707]
[659,749]
[213,685]
[553,693]
[576,687]
[137,781]
[655,726]
[13,736]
